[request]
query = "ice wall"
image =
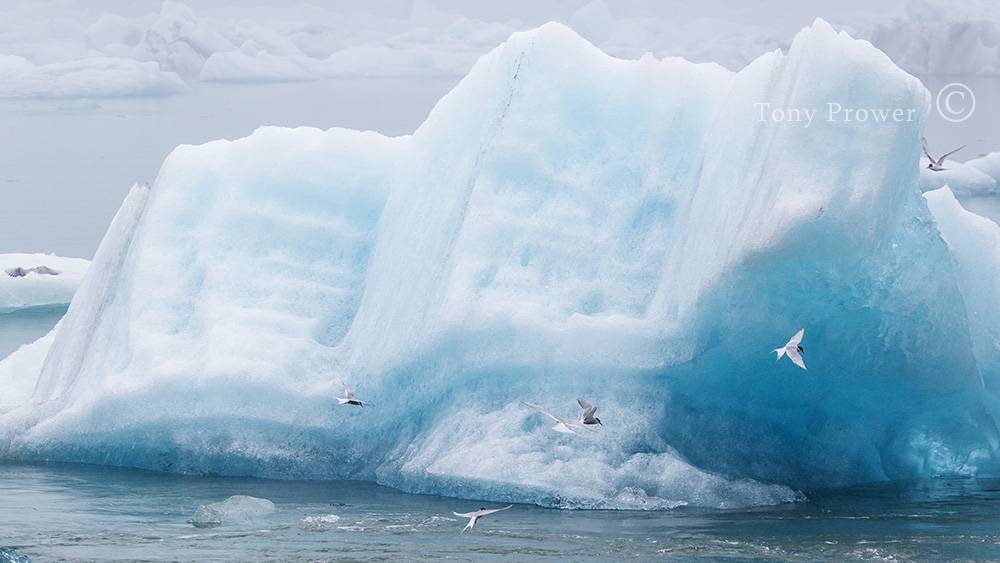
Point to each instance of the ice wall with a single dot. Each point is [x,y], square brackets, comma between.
[564,224]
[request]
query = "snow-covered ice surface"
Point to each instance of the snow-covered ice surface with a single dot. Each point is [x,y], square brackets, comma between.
[563,224]
[35,289]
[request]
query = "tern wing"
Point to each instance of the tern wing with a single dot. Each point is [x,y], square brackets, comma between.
[492,510]
[563,428]
[796,339]
[347,390]
[947,154]
[464,514]
[45,270]
[927,153]
[542,410]
[584,404]
[795,357]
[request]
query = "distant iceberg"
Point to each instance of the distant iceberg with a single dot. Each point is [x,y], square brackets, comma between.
[939,38]
[87,53]
[33,289]
[564,224]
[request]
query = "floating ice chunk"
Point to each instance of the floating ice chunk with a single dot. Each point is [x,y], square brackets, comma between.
[974,183]
[36,289]
[179,41]
[988,164]
[98,77]
[235,510]
[964,179]
[320,523]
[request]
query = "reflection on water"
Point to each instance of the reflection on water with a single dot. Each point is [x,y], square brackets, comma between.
[80,512]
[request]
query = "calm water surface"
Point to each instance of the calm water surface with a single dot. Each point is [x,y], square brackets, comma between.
[67,512]
[27,325]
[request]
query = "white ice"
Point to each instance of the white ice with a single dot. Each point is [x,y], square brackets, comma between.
[234,511]
[34,290]
[563,224]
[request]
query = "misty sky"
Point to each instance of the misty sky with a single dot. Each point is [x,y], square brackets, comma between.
[85,111]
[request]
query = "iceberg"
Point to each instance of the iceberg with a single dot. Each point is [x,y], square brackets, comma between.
[975,183]
[563,224]
[975,247]
[19,370]
[942,38]
[91,77]
[35,289]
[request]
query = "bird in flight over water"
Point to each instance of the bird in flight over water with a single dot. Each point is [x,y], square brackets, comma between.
[937,165]
[475,516]
[793,350]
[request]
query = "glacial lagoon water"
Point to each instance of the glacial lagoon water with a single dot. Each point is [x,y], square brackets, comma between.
[59,512]
[27,325]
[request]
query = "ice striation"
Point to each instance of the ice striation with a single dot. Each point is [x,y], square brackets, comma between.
[563,224]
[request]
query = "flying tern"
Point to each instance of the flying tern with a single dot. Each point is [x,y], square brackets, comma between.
[350,399]
[937,165]
[475,516]
[793,350]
